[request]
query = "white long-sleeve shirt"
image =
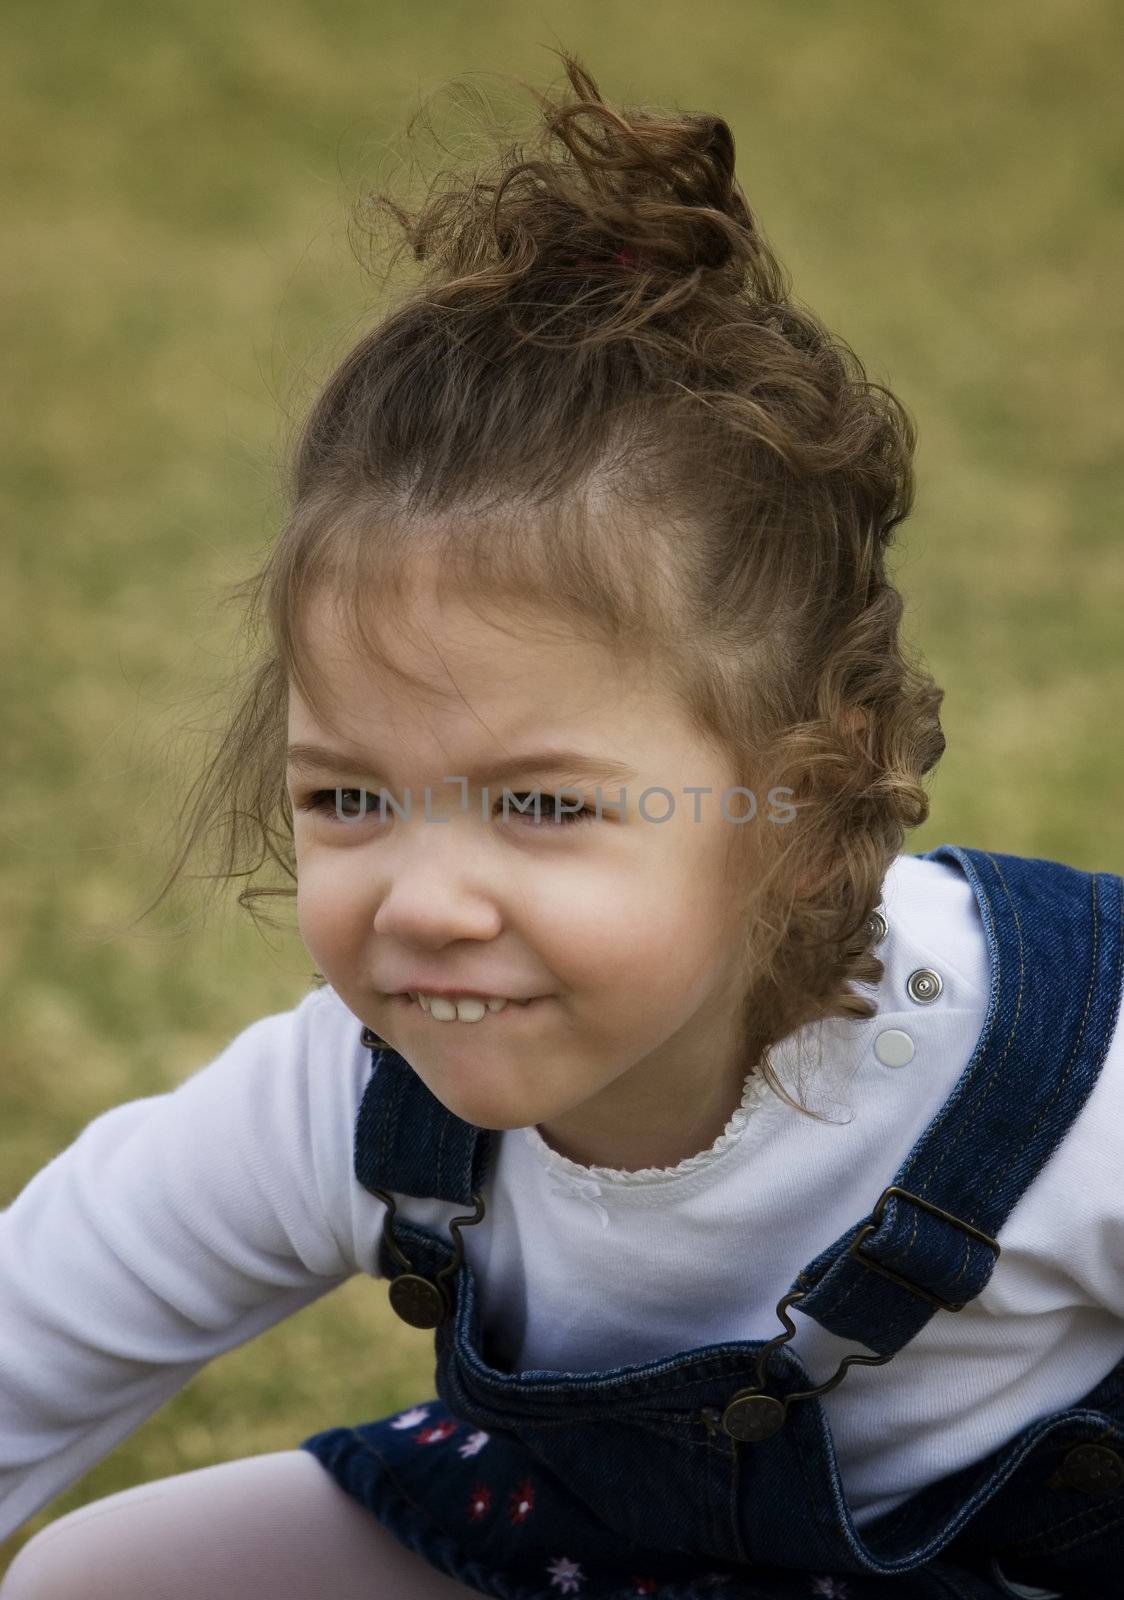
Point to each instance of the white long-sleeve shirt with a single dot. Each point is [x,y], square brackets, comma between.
[182,1225]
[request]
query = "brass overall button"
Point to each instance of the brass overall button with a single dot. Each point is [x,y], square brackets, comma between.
[417,1301]
[756,1417]
[1092,1468]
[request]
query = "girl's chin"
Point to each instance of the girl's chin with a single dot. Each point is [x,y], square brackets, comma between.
[473,1104]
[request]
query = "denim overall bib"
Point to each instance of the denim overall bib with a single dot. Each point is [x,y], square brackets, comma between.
[712,1472]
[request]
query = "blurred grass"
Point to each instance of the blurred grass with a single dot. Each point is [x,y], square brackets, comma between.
[944,183]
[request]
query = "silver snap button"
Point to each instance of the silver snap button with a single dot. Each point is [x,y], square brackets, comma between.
[923,985]
[876,927]
[894,1048]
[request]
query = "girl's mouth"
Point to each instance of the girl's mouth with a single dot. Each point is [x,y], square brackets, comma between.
[466,1012]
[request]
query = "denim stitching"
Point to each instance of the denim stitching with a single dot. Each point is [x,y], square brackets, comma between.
[1078,1042]
[445,1122]
[1046,1547]
[380,1138]
[723,1497]
[1102,1527]
[387,1138]
[578,1420]
[733,1505]
[1078,1039]
[682,1384]
[1064,1076]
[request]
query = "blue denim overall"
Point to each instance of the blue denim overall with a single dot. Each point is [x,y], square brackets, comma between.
[712,1472]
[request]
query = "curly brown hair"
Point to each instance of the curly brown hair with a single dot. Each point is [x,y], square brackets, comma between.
[602,398]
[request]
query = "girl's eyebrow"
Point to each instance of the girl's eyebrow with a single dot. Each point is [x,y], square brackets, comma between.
[316,758]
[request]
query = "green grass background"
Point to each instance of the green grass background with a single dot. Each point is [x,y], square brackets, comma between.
[944,182]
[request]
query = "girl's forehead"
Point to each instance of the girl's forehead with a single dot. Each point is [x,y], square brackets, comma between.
[442,650]
[418,608]
[361,697]
[470,717]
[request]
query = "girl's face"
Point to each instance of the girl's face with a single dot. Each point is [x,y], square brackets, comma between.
[624,929]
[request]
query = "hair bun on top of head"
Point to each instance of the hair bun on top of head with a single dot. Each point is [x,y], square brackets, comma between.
[658,193]
[601,190]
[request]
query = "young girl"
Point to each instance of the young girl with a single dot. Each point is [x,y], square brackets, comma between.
[586,726]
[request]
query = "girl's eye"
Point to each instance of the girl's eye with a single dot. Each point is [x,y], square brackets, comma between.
[338,802]
[557,816]
[342,806]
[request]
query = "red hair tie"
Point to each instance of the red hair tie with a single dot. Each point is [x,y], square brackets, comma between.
[624,258]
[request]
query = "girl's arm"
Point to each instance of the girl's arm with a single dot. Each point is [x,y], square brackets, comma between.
[172,1229]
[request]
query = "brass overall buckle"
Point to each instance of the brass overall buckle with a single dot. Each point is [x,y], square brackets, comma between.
[424,1302]
[896,1277]
[752,1414]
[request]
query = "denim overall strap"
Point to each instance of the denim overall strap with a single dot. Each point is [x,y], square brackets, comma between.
[407,1141]
[1054,942]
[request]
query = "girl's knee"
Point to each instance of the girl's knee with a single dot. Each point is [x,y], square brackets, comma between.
[70,1557]
[273,1524]
[157,1538]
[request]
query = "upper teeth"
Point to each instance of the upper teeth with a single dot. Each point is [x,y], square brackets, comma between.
[468,1009]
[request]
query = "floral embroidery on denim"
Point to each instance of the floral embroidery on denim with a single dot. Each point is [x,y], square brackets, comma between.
[566,1574]
[434,1435]
[479,1501]
[522,1501]
[410,1419]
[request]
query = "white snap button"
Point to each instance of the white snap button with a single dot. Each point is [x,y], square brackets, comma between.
[894,1048]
